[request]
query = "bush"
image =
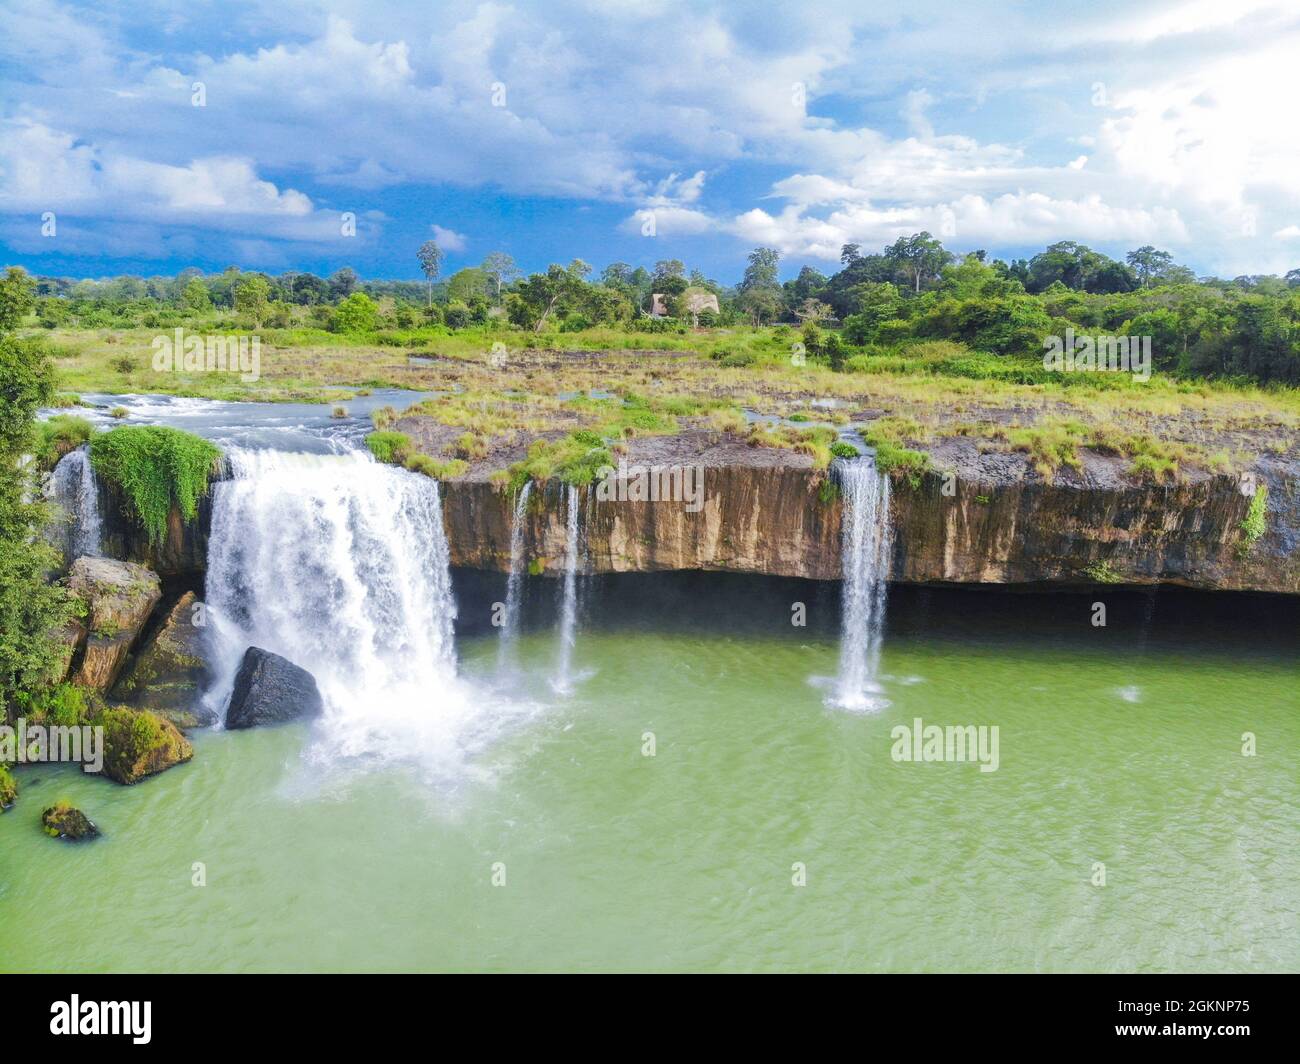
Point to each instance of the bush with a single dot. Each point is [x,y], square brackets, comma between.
[390,447]
[59,435]
[157,468]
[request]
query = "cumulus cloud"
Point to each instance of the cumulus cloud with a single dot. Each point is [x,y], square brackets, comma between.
[448,239]
[802,128]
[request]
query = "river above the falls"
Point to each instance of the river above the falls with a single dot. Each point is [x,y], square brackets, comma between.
[314,428]
[569,847]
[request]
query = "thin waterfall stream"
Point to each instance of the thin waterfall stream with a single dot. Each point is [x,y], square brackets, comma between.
[514,583]
[563,682]
[867,545]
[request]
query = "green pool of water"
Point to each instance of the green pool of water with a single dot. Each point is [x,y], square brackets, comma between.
[1120,746]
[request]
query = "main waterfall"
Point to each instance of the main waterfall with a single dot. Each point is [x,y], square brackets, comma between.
[340,564]
[867,549]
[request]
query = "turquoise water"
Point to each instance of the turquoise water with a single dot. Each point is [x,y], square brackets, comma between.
[1120,746]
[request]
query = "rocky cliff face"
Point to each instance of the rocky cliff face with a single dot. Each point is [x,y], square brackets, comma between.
[765,511]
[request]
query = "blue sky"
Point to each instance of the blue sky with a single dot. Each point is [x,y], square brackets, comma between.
[642,131]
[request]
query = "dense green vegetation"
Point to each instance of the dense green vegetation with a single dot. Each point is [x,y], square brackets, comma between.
[31,609]
[874,309]
[157,468]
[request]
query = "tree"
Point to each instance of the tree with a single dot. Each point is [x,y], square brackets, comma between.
[918,257]
[342,282]
[430,256]
[251,295]
[536,298]
[468,285]
[761,269]
[31,609]
[356,314]
[194,296]
[1148,264]
[501,268]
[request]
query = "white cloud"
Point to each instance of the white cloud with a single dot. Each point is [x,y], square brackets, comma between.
[448,239]
[907,114]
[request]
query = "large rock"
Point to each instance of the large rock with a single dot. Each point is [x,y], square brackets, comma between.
[138,743]
[64,821]
[168,673]
[119,597]
[270,689]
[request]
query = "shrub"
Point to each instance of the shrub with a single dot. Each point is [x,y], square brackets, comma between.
[431,467]
[157,468]
[1255,523]
[59,435]
[390,447]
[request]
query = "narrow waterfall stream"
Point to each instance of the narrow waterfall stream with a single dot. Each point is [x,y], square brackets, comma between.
[74,488]
[514,583]
[563,682]
[867,549]
[340,564]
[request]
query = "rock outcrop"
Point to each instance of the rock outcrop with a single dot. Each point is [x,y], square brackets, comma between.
[64,821]
[169,672]
[138,743]
[119,597]
[270,689]
[184,550]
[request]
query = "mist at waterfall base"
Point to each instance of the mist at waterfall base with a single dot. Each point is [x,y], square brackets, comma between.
[1119,744]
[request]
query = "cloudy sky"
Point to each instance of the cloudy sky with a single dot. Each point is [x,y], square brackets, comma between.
[163,135]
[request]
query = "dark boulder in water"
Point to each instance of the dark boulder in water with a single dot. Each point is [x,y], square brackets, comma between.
[64,821]
[270,689]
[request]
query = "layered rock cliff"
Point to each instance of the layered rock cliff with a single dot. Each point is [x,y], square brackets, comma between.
[990,520]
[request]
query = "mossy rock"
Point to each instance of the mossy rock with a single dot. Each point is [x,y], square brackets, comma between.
[8,788]
[65,821]
[169,671]
[138,743]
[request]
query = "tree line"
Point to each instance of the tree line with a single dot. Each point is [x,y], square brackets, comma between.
[913,289]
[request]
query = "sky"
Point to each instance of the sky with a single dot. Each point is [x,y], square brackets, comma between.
[146,137]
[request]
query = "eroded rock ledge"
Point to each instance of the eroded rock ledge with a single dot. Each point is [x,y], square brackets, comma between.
[765,511]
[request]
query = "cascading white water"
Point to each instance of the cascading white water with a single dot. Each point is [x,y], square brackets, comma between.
[563,682]
[340,564]
[514,584]
[867,548]
[74,488]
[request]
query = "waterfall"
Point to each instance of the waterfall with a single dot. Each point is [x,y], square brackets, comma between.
[514,584]
[563,682]
[340,564]
[867,549]
[74,488]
